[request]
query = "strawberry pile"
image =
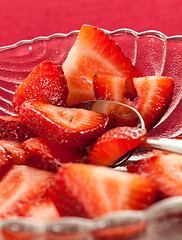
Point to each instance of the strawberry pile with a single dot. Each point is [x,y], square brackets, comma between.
[54,156]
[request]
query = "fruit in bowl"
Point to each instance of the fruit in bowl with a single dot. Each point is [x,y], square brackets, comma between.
[65,141]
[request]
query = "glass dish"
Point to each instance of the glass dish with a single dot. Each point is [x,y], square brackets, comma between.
[154,54]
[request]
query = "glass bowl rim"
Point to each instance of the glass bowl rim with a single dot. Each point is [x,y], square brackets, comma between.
[117,31]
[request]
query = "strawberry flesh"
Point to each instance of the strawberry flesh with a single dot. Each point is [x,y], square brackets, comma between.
[46,155]
[164,169]
[91,191]
[75,127]
[6,160]
[114,144]
[108,87]
[45,83]
[15,150]
[94,52]
[22,184]
[154,94]
[12,128]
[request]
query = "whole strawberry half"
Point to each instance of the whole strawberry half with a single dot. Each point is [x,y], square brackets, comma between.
[164,169]
[45,83]
[11,128]
[76,127]
[95,52]
[108,87]
[90,191]
[22,184]
[47,155]
[154,94]
[115,143]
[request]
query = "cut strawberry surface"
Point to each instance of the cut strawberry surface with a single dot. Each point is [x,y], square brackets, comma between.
[11,128]
[15,150]
[45,83]
[108,87]
[75,127]
[41,209]
[22,184]
[114,144]
[154,97]
[94,52]
[91,191]
[6,160]
[164,169]
[47,155]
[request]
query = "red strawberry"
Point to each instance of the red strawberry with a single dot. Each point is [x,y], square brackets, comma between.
[118,114]
[90,191]
[5,159]
[164,170]
[154,96]
[115,143]
[47,155]
[108,87]
[22,184]
[75,127]
[15,150]
[11,128]
[41,209]
[94,52]
[45,83]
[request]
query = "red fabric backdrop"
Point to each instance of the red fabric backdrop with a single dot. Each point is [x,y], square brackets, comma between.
[21,19]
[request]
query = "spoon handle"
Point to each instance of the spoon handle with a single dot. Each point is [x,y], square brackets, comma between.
[172,145]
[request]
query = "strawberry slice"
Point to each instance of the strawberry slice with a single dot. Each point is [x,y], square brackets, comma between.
[41,209]
[11,128]
[108,87]
[6,160]
[154,97]
[47,155]
[164,169]
[114,144]
[15,150]
[94,52]
[22,184]
[45,83]
[90,191]
[75,127]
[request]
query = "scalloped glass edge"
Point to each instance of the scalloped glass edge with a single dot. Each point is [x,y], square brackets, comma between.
[117,31]
[67,225]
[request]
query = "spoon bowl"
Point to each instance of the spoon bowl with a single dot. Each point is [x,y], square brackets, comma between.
[124,115]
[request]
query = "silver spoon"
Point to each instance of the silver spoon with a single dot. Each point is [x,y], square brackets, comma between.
[123,115]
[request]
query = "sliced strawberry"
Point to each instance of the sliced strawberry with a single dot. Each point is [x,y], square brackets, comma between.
[114,144]
[164,170]
[15,150]
[47,155]
[89,191]
[5,159]
[45,83]
[22,184]
[154,96]
[108,87]
[41,209]
[119,114]
[94,52]
[75,127]
[11,128]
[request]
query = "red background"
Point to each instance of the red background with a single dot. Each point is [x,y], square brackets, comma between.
[23,19]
